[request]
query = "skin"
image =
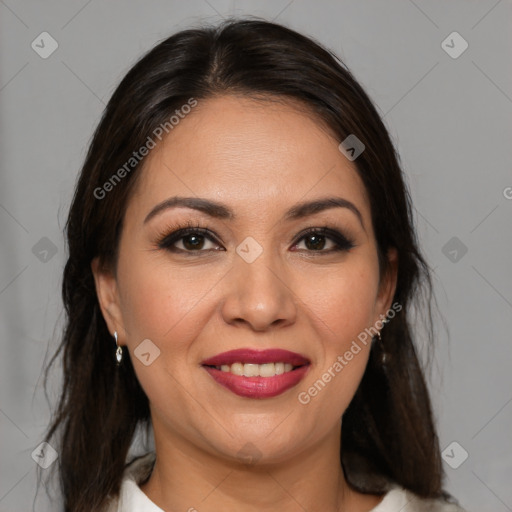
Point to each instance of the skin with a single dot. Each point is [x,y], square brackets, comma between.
[259,159]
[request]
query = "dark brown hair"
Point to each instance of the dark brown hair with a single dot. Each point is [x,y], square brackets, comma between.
[388,432]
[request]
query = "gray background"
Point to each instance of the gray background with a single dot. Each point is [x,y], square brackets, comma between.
[450,118]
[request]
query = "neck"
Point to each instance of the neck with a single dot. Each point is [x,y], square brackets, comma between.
[186,477]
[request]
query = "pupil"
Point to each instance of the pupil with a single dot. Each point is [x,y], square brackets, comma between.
[318,242]
[193,245]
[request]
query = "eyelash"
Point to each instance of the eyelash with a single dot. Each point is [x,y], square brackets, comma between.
[176,233]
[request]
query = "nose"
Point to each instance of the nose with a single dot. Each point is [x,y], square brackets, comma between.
[259,294]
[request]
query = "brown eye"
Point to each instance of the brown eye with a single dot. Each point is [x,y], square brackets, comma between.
[315,240]
[188,240]
[193,242]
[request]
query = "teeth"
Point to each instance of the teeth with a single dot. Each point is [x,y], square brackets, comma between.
[256,370]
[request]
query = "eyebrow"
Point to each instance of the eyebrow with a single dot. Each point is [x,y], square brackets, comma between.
[221,211]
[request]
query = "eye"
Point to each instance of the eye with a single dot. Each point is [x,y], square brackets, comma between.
[316,240]
[190,239]
[195,239]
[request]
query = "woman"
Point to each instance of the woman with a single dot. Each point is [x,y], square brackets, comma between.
[242,263]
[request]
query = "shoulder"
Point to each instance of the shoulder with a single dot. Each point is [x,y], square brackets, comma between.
[131,498]
[398,498]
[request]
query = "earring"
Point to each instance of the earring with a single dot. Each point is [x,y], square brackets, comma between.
[119,351]
[382,352]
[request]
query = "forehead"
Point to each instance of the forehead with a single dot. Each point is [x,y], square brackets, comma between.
[255,155]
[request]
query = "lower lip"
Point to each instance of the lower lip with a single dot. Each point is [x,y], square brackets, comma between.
[258,387]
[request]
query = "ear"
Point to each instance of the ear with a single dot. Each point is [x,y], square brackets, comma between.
[387,284]
[108,298]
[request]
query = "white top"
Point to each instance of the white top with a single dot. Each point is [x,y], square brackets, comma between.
[132,499]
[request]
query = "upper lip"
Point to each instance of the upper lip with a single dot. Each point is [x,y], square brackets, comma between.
[248,355]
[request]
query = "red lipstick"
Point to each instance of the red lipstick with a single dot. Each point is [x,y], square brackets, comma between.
[257,387]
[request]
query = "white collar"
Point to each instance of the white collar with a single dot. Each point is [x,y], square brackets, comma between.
[133,499]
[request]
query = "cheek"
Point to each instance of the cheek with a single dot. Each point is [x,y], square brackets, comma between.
[169,307]
[158,301]
[342,306]
[344,300]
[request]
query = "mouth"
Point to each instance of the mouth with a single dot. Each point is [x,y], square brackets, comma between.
[257,374]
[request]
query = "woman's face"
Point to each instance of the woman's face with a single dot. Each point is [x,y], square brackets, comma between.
[256,280]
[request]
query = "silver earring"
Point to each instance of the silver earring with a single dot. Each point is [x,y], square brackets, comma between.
[382,356]
[119,351]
